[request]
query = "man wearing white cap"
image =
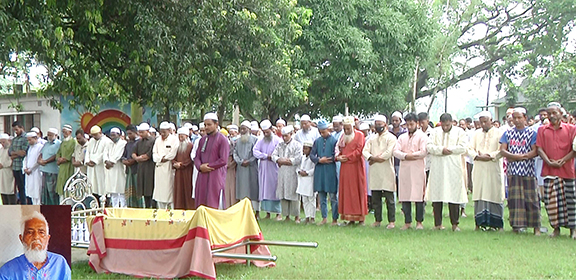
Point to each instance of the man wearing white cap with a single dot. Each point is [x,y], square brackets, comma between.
[280,123]
[194,133]
[6,175]
[17,152]
[64,159]
[184,170]
[49,168]
[80,151]
[306,183]
[115,174]
[338,130]
[325,176]
[308,132]
[143,155]
[267,171]
[233,130]
[211,159]
[255,129]
[487,175]
[397,130]
[40,135]
[164,151]
[95,160]
[288,155]
[202,129]
[31,168]
[246,167]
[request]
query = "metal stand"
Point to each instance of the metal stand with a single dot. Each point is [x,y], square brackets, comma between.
[219,253]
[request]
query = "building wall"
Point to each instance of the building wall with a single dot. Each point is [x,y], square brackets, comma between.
[44,118]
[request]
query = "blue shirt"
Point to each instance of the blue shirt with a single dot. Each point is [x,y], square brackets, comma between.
[520,142]
[50,149]
[55,268]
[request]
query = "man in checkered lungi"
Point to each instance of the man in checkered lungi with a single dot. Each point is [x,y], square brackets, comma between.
[518,145]
[555,147]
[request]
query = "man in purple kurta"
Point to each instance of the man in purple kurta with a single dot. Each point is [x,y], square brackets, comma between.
[267,171]
[211,160]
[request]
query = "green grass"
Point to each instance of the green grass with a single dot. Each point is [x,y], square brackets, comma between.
[368,253]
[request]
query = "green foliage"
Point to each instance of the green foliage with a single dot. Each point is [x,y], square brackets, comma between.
[556,83]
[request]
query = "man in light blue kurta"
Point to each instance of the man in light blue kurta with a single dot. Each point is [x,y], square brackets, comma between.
[49,168]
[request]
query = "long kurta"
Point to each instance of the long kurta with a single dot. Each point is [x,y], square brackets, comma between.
[79,155]
[325,174]
[411,174]
[164,173]
[195,172]
[230,187]
[267,169]
[446,180]
[34,179]
[306,183]
[287,176]
[183,180]
[214,150]
[116,175]
[381,175]
[145,177]
[6,174]
[352,197]
[66,169]
[487,176]
[246,176]
[96,174]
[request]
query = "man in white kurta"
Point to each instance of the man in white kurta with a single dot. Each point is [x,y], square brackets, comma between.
[288,155]
[94,160]
[382,176]
[31,168]
[487,175]
[115,170]
[446,181]
[164,151]
[6,175]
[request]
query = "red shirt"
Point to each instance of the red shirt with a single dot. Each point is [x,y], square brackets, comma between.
[557,143]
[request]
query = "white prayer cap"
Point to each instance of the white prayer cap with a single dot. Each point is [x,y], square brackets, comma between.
[349,120]
[519,110]
[201,125]
[35,129]
[337,119]
[486,114]
[211,116]
[183,131]
[172,126]
[246,124]
[4,136]
[509,111]
[187,125]
[86,136]
[305,118]
[53,130]
[67,127]
[115,130]
[297,126]
[254,125]
[379,117]
[397,114]
[152,130]
[280,120]
[165,125]
[287,129]
[307,144]
[144,127]
[266,124]
[554,104]
[95,129]
[364,126]
[31,134]
[537,118]
[232,127]
[195,127]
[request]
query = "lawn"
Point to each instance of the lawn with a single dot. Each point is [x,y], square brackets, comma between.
[368,253]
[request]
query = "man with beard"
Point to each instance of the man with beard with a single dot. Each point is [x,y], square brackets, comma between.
[325,175]
[487,175]
[288,155]
[64,159]
[247,167]
[308,132]
[143,155]
[183,175]
[115,174]
[95,160]
[352,200]
[163,152]
[132,200]
[6,175]
[17,153]
[49,168]
[36,259]
[267,171]
[80,151]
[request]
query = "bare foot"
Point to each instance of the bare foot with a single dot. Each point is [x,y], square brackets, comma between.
[477,228]
[312,221]
[297,220]
[439,228]
[376,224]
[267,216]
[334,223]
[391,226]
[361,224]
[278,217]
[555,233]
[323,222]
[455,228]
[406,226]
[537,231]
[419,226]
[287,219]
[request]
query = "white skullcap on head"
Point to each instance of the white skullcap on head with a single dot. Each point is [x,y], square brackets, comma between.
[211,116]
[152,130]
[194,128]
[519,110]
[202,126]
[187,125]
[305,118]
[165,125]
[297,126]
[254,125]
[232,127]
[246,124]
[364,126]
[4,136]
[287,129]
[35,129]
[67,127]
[337,119]
[280,120]
[173,126]
[183,131]
[53,130]
[349,120]
[397,114]
[144,127]
[115,130]
[485,114]
[537,117]
[554,104]
[379,117]
[509,111]
[266,124]
[308,144]
[95,129]
[31,134]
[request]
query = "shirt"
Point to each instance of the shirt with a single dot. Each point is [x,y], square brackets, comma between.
[557,143]
[520,142]
[49,150]
[401,131]
[18,143]
[55,267]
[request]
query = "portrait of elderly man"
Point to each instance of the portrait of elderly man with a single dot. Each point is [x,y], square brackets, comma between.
[36,262]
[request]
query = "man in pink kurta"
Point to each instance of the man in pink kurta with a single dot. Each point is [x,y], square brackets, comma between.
[411,150]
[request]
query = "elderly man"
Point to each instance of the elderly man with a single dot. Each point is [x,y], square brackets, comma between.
[280,123]
[247,167]
[518,145]
[487,175]
[446,182]
[211,158]
[555,142]
[6,175]
[267,171]
[94,159]
[17,153]
[288,155]
[115,174]
[378,151]
[164,151]
[31,168]
[325,175]
[36,260]
[182,163]
[49,168]
[143,155]
[132,200]
[308,132]
[80,151]
[64,159]
[352,197]
[411,150]
[233,130]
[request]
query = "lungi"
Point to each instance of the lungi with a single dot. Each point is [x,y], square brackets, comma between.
[488,214]
[523,202]
[560,202]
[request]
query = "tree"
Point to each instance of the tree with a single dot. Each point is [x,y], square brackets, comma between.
[556,83]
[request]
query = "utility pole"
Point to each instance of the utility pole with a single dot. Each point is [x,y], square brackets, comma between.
[446,100]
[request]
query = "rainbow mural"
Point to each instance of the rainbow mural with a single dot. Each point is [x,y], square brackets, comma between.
[106,119]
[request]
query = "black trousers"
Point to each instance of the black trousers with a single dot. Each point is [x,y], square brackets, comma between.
[469,171]
[453,208]
[390,205]
[149,203]
[407,209]
[8,199]
[21,185]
